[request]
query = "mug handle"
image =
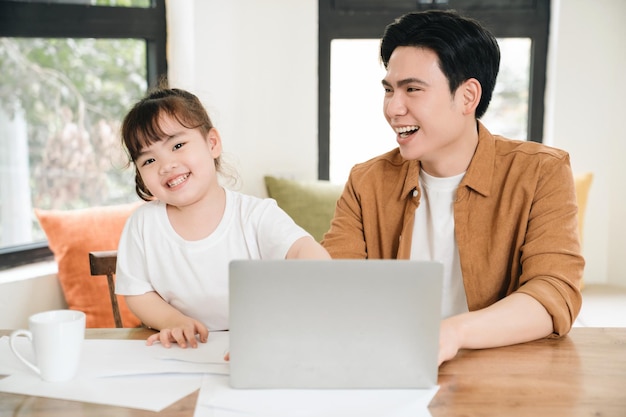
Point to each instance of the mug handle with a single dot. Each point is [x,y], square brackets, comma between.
[14,335]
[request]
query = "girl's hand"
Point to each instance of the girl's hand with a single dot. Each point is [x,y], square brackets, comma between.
[183,335]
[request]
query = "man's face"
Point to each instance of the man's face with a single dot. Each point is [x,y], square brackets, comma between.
[428,119]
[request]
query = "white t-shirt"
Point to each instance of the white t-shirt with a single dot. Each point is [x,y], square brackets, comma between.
[193,275]
[434,240]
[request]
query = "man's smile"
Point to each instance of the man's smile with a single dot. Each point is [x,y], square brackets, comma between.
[406,131]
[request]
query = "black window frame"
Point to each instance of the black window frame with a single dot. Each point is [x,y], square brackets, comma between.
[359,19]
[26,19]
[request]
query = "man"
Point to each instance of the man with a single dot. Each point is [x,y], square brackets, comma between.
[499,214]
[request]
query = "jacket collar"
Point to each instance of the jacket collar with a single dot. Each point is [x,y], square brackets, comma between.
[479,175]
[411,180]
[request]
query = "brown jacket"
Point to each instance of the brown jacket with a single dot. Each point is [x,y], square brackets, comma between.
[515,222]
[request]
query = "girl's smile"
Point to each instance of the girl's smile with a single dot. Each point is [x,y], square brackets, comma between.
[178,180]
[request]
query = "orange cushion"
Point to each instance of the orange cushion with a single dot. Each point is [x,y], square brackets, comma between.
[72,234]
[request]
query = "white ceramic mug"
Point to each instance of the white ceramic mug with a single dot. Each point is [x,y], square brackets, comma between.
[57,338]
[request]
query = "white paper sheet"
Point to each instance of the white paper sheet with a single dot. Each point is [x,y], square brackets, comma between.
[101,358]
[151,392]
[104,358]
[217,399]
[124,373]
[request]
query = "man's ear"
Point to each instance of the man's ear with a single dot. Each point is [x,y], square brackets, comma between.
[215,142]
[471,91]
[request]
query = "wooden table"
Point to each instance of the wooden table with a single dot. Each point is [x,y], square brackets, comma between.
[583,374]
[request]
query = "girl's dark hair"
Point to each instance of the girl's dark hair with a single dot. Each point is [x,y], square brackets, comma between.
[464,47]
[141,126]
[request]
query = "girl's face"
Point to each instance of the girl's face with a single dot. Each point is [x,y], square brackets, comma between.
[180,169]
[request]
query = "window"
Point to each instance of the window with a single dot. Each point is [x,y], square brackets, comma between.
[70,73]
[352,127]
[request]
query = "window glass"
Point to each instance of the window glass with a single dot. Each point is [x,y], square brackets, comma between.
[507,114]
[358,129]
[111,3]
[61,104]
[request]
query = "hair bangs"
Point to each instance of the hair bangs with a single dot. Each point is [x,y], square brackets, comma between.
[142,128]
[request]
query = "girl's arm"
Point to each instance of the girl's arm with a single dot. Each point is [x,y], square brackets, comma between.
[174,326]
[307,248]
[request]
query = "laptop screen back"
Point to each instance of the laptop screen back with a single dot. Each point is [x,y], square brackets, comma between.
[334,324]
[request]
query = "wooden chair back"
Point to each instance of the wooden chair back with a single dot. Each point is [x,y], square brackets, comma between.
[104,263]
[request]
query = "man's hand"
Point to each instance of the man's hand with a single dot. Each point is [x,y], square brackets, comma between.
[449,340]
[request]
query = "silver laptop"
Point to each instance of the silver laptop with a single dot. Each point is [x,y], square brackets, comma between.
[334,324]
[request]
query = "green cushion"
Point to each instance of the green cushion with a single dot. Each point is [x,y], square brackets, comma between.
[311,204]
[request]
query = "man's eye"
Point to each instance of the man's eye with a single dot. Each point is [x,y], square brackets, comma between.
[412,89]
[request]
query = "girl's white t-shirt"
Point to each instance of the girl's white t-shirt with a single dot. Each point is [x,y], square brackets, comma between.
[192,276]
[434,240]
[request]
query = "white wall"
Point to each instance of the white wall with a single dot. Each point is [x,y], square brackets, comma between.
[254,64]
[26,290]
[256,71]
[585,116]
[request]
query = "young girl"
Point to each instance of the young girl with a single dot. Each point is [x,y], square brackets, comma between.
[174,252]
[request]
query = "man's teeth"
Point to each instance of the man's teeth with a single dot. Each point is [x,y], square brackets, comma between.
[406,131]
[178,180]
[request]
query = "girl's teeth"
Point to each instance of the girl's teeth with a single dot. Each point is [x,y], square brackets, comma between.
[177,181]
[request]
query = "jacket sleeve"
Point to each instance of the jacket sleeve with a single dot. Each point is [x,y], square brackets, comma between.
[551,261]
[345,238]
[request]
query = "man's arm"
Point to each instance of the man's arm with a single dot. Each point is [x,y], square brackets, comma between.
[514,319]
